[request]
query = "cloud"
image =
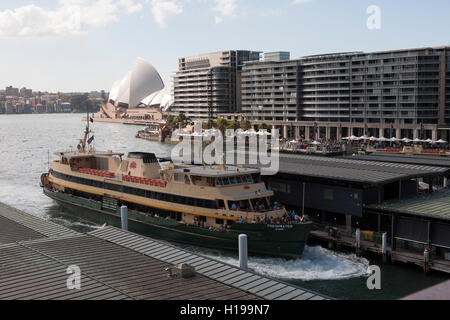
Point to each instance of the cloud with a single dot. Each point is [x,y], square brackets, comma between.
[301,1]
[70,17]
[130,6]
[226,8]
[162,10]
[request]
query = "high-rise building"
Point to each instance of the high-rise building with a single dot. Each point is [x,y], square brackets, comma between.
[12,92]
[209,84]
[270,90]
[26,93]
[403,91]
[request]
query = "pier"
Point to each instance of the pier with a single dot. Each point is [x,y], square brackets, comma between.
[36,257]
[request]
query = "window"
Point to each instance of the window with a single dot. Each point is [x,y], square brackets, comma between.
[280,187]
[328,194]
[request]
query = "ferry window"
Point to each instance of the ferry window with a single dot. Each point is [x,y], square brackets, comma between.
[239,179]
[219,221]
[221,204]
[210,181]
[233,180]
[226,181]
[219,182]
[201,218]
[255,177]
[178,177]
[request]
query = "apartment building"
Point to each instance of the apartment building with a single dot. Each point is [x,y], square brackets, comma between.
[405,93]
[271,88]
[210,84]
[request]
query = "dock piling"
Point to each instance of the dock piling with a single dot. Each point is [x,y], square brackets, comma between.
[124,217]
[243,251]
[384,246]
[358,241]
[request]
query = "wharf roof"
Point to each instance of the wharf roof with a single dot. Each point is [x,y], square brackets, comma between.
[435,205]
[406,159]
[351,170]
[117,265]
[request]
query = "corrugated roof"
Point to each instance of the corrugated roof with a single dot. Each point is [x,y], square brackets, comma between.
[406,159]
[246,280]
[116,264]
[352,170]
[431,205]
[349,169]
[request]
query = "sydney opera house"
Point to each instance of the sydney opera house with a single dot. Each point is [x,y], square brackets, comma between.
[139,96]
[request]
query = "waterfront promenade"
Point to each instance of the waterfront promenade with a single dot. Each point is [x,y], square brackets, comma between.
[35,255]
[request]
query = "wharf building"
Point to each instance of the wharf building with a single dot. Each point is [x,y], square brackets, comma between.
[210,84]
[402,93]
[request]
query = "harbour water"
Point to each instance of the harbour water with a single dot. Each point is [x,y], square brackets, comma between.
[28,144]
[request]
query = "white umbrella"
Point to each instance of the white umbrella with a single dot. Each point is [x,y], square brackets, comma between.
[417,140]
[346,138]
[372,138]
[383,139]
[406,140]
[393,139]
[428,141]
[363,138]
[316,143]
[353,138]
[441,141]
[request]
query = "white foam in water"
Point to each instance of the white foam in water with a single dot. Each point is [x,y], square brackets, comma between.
[317,263]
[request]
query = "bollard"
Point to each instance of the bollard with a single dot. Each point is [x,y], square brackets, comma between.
[124,217]
[243,253]
[358,240]
[384,246]
[426,260]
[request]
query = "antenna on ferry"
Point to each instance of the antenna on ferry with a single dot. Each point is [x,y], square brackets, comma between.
[86,132]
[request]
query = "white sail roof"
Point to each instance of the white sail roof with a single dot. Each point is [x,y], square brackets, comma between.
[138,84]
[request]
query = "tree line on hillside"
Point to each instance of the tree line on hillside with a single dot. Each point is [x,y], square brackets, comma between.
[79,102]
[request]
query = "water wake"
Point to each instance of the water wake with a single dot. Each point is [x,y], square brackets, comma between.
[316,263]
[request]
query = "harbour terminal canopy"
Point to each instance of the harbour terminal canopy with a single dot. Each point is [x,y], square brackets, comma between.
[139,92]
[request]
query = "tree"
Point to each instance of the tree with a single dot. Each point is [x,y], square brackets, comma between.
[182,120]
[246,125]
[222,124]
[263,126]
[234,125]
[170,121]
[209,124]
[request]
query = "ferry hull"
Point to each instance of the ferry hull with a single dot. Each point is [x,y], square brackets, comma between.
[287,241]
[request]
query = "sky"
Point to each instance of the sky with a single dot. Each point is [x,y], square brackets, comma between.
[86,45]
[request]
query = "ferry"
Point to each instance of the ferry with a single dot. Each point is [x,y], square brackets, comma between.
[198,205]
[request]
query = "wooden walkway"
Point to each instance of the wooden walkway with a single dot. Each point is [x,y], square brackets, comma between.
[35,255]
